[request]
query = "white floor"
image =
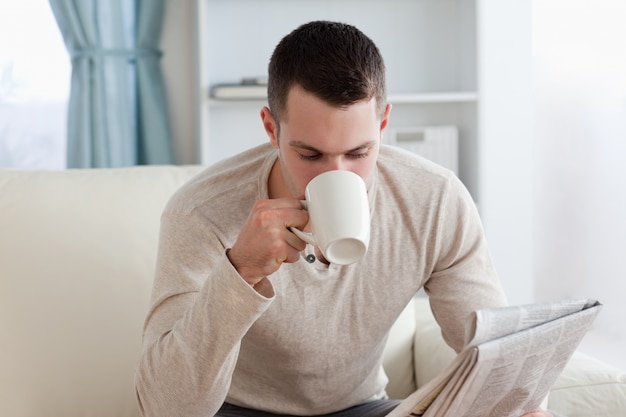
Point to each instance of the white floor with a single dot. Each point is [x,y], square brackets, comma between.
[608,348]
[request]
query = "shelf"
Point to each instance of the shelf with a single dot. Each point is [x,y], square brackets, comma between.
[417,98]
[431,75]
[215,102]
[451,97]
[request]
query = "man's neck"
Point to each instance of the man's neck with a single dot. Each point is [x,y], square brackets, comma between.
[276,187]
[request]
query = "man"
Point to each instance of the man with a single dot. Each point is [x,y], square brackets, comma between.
[246,319]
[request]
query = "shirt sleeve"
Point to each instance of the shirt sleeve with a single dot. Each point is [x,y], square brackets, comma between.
[200,310]
[464,278]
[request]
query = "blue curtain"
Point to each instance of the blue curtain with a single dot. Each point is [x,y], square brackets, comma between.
[117,113]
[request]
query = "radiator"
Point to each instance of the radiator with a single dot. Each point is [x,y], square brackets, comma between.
[437,143]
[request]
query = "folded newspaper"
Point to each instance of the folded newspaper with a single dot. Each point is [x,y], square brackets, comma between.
[514,356]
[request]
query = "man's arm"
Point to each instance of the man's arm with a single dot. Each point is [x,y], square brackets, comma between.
[202,308]
[464,278]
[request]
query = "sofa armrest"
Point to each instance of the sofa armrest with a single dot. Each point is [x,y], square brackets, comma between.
[398,356]
[588,387]
[431,353]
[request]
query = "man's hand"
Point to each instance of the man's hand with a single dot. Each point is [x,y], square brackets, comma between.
[265,242]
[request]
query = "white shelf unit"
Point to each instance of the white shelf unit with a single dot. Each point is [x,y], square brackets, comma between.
[429,48]
[464,63]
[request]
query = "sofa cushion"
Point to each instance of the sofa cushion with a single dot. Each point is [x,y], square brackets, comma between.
[588,387]
[432,354]
[77,254]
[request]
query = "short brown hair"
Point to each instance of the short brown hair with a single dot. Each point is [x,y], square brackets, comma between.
[334,61]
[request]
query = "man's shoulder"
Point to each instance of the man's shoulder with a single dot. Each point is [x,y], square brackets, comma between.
[406,175]
[241,176]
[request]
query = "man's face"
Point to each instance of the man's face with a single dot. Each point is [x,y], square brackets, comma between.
[316,137]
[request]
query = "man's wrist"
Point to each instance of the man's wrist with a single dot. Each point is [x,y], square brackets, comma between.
[252,281]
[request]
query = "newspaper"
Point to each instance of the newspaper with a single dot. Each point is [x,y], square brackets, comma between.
[506,370]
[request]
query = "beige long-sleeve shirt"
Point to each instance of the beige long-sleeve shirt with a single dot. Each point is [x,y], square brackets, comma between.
[311,342]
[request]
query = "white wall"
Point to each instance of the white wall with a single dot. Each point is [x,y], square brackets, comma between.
[580,154]
[505,131]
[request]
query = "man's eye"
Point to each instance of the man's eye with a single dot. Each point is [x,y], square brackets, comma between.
[358,155]
[312,157]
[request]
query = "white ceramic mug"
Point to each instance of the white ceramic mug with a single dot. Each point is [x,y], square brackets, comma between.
[339,215]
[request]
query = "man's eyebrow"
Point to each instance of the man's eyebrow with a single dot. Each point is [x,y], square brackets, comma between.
[301,145]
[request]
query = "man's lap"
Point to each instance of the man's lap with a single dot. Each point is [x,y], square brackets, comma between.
[378,408]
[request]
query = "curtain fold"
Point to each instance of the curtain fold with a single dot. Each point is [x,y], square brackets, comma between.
[117,113]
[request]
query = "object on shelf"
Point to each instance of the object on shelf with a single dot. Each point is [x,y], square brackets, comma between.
[436,143]
[254,81]
[248,88]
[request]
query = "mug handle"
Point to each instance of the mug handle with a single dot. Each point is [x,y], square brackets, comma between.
[307,237]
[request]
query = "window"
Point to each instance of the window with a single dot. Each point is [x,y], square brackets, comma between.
[35,74]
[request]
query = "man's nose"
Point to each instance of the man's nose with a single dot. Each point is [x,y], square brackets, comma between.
[337,163]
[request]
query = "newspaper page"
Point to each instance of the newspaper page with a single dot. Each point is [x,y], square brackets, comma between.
[515,355]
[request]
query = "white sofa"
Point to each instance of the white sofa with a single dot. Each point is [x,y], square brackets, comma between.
[77,253]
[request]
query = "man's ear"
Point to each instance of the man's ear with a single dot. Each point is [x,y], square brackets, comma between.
[269,124]
[385,120]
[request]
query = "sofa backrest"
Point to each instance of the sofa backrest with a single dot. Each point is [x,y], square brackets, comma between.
[77,254]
